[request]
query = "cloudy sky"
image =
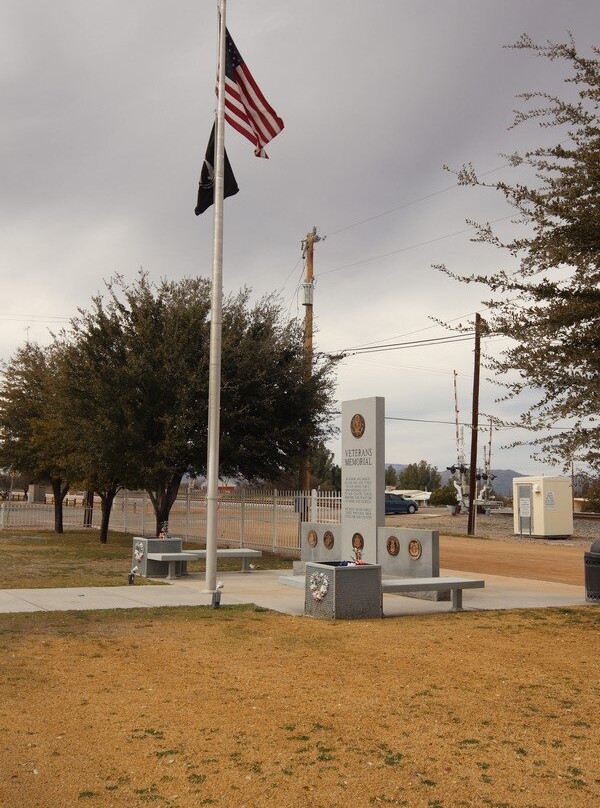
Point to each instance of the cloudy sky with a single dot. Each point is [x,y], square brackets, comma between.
[106,110]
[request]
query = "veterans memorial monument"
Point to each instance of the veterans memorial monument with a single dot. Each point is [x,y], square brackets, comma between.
[402,553]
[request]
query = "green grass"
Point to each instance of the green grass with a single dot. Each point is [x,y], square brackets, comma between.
[42,559]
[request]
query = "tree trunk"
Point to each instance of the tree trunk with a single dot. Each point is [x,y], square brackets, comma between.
[107,498]
[88,508]
[163,497]
[60,491]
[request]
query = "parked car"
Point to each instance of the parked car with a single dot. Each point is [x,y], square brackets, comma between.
[396,503]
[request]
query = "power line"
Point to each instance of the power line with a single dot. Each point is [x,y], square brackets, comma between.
[424,421]
[34,318]
[464,423]
[397,366]
[427,328]
[412,344]
[411,202]
[291,272]
[410,247]
[410,333]
[298,284]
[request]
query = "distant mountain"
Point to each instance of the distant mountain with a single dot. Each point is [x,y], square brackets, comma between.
[502,484]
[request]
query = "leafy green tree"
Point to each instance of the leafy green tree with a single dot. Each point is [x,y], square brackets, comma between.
[444,496]
[420,476]
[31,429]
[550,305]
[137,389]
[271,415]
[324,472]
[97,402]
[391,477]
[591,492]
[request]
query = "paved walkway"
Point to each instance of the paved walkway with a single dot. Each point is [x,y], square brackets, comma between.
[262,587]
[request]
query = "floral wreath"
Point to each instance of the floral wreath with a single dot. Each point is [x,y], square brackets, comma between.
[319,585]
[138,551]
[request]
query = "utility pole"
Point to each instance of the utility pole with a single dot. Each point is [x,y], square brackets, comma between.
[308,293]
[474,427]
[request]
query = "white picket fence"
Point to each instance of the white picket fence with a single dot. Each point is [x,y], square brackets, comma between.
[254,518]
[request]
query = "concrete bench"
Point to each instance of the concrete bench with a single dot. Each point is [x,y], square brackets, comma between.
[443,584]
[172,560]
[400,585]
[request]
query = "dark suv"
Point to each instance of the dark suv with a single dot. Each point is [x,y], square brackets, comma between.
[396,503]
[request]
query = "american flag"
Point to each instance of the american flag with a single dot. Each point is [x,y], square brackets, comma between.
[246,108]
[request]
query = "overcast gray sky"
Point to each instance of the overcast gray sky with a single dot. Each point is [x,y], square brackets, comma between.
[106,111]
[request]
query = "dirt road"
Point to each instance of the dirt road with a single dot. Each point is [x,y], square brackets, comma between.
[543,562]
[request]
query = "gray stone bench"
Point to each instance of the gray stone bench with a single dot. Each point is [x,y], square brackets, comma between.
[398,586]
[175,564]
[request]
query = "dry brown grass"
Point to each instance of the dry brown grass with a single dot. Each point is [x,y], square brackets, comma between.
[241,707]
[39,559]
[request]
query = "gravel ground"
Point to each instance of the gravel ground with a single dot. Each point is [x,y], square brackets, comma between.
[497,526]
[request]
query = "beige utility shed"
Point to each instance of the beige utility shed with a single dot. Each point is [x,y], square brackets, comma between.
[543,507]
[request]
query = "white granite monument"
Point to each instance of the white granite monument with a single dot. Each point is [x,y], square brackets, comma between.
[401,552]
[363,476]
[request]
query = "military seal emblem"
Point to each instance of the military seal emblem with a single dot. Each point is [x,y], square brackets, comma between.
[393,546]
[415,549]
[357,425]
[358,542]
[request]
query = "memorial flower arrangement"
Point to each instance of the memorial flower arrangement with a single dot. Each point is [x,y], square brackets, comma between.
[319,586]
[138,551]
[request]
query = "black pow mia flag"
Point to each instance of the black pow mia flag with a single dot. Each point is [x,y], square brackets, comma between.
[206,188]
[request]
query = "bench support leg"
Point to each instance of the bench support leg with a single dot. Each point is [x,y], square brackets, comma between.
[245,567]
[172,574]
[457,604]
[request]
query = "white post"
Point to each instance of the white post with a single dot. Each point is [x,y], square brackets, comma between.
[214,381]
[314,506]
[187,513]
[242,517]
[275,492]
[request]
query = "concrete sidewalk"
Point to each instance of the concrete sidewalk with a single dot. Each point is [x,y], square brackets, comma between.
[262,587]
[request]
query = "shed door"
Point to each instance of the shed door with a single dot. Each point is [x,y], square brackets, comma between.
[525,506]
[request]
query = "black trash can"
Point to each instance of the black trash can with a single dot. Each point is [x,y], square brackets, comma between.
[592,573]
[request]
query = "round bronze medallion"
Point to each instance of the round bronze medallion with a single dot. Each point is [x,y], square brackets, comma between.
[393,546]
[357,425]
[328,539]
[311,538]
[415,549]
[358,542]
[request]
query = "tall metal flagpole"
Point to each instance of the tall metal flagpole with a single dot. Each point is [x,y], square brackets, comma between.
[216,321]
